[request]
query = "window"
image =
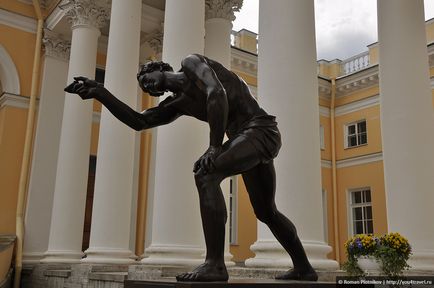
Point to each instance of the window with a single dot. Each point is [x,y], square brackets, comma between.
[321,137]
[361,211]
[233,215]
[356,134]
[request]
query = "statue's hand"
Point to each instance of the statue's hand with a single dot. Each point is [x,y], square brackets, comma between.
[85,88]
[205,164]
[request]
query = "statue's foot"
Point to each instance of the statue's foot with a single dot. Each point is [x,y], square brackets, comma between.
[309,275]
[206,272]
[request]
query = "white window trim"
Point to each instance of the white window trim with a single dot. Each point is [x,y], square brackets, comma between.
[234,219]
[321,137]
[350,208]
[346,146]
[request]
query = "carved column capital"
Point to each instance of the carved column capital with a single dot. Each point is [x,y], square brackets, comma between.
[93,13]
[155,40]
[222,9]
[55,46]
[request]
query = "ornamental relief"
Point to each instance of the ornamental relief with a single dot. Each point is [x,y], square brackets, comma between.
[55,46]
[87,12]
[222,8]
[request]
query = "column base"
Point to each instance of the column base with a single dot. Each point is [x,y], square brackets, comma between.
[228,259]
[270,254]
[422,260]
[109,256]
[59,256]
[173,255]
[33,257]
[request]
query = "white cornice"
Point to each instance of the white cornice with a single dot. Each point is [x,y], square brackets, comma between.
[244,62]
[365,159]
[326,163]
[324,88]
[22,102]
[13,100]
[54,18]
[361,79]
[96,117]
[324,111]
[358,105]
[17,21]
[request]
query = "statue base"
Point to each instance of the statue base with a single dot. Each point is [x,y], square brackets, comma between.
[233,283]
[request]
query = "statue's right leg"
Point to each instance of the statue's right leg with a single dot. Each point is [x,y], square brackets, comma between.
[261,185]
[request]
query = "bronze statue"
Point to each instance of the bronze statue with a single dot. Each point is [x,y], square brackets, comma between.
[206,90]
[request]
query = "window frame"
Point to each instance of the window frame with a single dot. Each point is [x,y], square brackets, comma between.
[351,206]
[356,134]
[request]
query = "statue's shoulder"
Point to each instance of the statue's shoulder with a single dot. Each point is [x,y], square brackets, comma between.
[192,62]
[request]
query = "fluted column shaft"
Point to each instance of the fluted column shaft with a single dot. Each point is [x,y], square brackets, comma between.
[288,89]
[67,218]
[112,204]
[407,126]
[176,226]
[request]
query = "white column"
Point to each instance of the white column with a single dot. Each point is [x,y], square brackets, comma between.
[67,217]
[288,89]
[177,237]
[44,163]
[218,27]
[407,126]
[112,204]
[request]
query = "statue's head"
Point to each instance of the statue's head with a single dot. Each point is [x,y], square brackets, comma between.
[151,77]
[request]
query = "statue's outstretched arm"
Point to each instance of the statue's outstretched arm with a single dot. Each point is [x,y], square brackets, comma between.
[160,115]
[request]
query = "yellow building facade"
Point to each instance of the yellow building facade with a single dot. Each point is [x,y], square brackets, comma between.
[352,170]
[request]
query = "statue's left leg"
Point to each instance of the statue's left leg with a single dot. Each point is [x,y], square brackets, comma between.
[261,184]
[237,155]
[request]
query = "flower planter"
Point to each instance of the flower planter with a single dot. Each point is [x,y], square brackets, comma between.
[368,264]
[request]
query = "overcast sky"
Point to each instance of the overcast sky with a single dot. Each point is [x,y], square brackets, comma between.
[343,27]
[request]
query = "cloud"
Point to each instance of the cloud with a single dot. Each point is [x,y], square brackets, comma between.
[344,27]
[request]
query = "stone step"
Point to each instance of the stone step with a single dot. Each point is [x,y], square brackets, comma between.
[235,283]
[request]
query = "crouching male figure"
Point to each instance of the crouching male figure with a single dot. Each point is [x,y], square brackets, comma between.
[206,90]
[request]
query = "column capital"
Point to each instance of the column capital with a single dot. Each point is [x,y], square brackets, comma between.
[86,12]
[222,9]
[155,39]
[55,46]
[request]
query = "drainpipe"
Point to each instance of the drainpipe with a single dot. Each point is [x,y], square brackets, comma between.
[334,176]
[22,188]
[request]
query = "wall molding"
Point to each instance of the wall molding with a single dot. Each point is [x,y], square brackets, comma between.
[326,163]
[358,105]
[360,160]
[14,100]
[22,102]
[9,77]
[18,21]
[324,111]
